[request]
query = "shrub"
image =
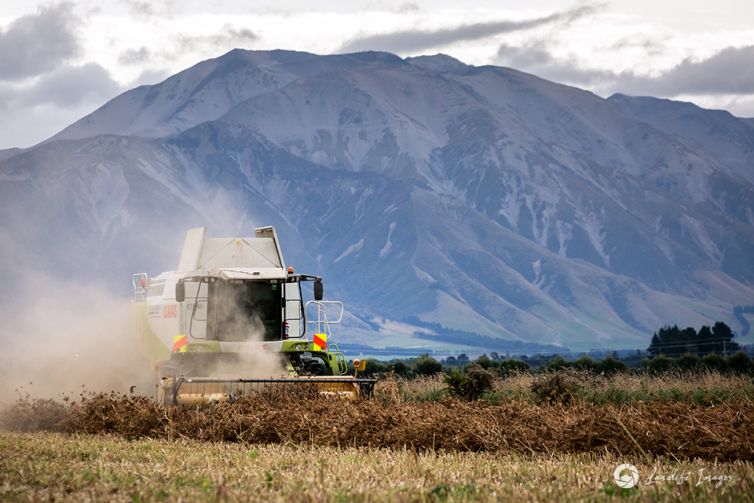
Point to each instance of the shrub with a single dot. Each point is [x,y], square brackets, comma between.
[470,385]
[610,365]
[508,367]
[557,363]
[485,362]
[426,365]
[374,367]
[555,388]
[659,364]
[688,362]
[739,363]
[455,379]
[714,362]
[584,363]
[400,369]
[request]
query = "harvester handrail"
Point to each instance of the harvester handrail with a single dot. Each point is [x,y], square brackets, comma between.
[340,358]
[140,282]
[322,308]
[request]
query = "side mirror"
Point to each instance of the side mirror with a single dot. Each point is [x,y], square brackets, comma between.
[180,291]
[319,289]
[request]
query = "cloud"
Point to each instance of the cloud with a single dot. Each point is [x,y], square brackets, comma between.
[532,54]
[419,40]
[228,37]
[26,126]
[33,112]
[138,8]
[41,91]
[134,56]
[536,58]
[146,9]
[742,106]
[149,76]
[408,7]
[71,86]
[37,43]
[648,44]
[729,72]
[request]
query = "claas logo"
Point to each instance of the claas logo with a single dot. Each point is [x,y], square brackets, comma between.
[169,310]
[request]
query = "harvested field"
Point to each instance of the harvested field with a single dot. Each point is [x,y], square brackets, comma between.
[46,466]
[531,438]
[719,429]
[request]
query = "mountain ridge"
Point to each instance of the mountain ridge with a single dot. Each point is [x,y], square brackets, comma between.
[432,194]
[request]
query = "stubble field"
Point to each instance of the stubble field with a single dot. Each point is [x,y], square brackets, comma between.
[688,438]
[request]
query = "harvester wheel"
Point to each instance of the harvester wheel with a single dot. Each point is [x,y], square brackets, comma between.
[168,373]
[366,389]
[171,368]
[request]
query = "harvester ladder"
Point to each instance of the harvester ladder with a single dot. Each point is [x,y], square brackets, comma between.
[340,358]
[140,282]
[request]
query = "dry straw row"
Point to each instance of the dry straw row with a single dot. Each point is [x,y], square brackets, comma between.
[679,430]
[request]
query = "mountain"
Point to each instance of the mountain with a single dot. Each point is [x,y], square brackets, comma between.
[450,206]
[727,140]
[9,152]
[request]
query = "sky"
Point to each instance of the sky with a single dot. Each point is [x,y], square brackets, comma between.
[62,60]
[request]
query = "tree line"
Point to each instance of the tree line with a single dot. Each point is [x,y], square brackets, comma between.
[671,348]
[674,342]
[425,365]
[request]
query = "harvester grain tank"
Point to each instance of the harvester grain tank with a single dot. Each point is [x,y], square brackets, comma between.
[231,320]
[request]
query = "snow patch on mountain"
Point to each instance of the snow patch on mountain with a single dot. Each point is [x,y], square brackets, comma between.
[354,248]
[388,244]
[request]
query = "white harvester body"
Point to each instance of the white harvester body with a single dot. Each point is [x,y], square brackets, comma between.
[228,301]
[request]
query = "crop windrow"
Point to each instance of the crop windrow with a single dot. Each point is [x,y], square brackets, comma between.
[422,417]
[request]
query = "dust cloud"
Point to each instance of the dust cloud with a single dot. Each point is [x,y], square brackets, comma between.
[65,337]
[62,337]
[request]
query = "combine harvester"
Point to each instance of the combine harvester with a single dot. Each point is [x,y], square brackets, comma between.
[231,320]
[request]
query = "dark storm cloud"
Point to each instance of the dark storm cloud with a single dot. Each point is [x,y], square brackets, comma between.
[38,43]
[418,40]
[730,71]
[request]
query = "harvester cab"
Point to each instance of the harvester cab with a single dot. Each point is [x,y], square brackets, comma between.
[231,320]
